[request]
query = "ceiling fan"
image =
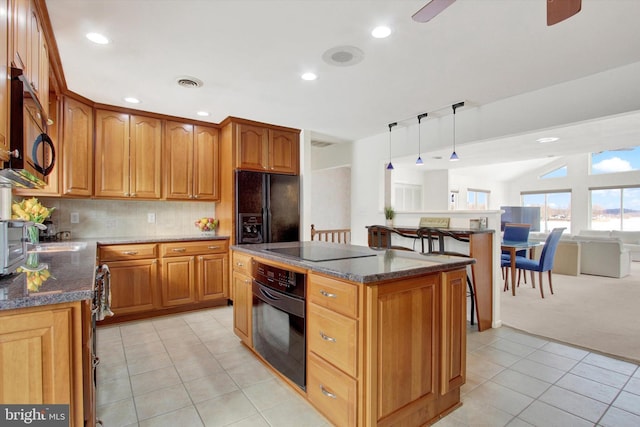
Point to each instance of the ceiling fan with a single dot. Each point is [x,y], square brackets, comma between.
[557,10]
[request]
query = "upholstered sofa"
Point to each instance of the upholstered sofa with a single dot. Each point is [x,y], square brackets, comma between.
[603,256]
[630,239]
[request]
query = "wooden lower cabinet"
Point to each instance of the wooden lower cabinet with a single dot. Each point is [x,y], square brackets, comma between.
[242,297]
[41,357]
[158,278]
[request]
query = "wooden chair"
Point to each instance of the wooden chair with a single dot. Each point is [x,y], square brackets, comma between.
[438,236]
[381,237]
[338,235]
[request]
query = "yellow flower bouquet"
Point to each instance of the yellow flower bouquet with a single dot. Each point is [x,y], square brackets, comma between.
[31,210]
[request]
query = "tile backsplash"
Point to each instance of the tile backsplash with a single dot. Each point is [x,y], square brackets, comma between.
[123,218]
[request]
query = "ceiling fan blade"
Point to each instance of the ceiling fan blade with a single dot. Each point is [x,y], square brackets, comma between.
[431,10]
[559,10]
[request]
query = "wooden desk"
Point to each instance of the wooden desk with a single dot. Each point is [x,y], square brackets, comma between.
[514,247]
[480,248]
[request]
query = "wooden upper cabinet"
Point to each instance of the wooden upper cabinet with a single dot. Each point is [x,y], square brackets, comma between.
[267,150]
[206,164]
[128,156]
[21,10]
[77,149]
[192,159]
[4,83]
[253,144]
[284,151]
[145,157]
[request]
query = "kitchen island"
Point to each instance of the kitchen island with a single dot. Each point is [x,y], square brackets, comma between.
[385,330]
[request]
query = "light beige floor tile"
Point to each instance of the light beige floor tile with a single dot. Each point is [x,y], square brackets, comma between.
[175,332]
[498,396]
[113,353]
[522,383]
[168,322]
[134,328]
[633,386]
[226,409]
[153,380]
[628,402]
[117,414]
[112,391]
[205,388]
[601,375]
[482,367]
[197,366]
[178,352]
[517,422]
[268,394]
[565,350]
[139,338]
[149,363]
[294,413]
[197,316]
[472,381]
[619,418]
[234,359]
[144,350]
[525,339]
[513,347]
[538,370]
[253,421]
[494,355]
[185,417]
[574,403]
[610,363]
[161,401]
[250,373]
[554,360]
[478,413]
[223,345]
[542,414]
[109,371]
[586,387]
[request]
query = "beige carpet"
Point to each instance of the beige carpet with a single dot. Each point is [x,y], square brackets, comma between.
[597,313]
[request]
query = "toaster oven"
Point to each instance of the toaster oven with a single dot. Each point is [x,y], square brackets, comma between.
[13,244]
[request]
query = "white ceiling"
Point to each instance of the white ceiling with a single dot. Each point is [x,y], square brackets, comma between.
[250,55]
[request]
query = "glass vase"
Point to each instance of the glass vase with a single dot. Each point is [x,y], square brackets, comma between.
[33,234]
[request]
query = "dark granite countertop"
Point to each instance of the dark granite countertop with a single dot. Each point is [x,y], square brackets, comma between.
[369,266]
[68,275]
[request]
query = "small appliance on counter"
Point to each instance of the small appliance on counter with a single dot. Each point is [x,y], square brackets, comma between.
[48,233]
[13,245]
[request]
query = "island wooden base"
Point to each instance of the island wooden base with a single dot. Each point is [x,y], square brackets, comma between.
[391,353]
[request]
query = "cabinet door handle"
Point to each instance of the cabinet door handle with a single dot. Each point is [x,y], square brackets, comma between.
[327,294]
[327,392]
[327,337]
[129,252]
[240,264]
[126,194]
[178,250]
[134,194]
[195,197]
[213,247]
[96,361]
[247,281]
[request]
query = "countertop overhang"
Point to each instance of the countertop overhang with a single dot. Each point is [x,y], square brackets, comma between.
[384,265]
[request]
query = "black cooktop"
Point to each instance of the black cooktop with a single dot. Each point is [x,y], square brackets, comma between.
[313,253]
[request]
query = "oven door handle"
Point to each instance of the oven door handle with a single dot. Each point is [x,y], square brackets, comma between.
[269,295]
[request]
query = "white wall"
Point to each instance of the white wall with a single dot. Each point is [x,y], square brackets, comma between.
[331,198]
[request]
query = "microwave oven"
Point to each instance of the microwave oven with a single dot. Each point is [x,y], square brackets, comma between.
[13,245]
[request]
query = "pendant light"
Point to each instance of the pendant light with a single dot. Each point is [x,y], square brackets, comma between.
[419,161]
[390,165]
[454,157]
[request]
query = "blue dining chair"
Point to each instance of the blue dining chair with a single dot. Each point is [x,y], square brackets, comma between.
[514,233]
[545,263]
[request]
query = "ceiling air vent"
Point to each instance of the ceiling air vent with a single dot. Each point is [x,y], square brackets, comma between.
[189,82]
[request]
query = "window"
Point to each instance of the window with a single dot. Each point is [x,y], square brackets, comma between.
[615,209]
[556,173]
[555,209]
[477,199]
[407,197]
[622,160]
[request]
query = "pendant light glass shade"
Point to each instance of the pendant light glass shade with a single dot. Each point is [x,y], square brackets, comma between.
[454,156]
[419,161]
[390,165]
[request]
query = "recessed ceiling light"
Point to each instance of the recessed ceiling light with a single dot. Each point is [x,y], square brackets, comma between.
[381,32]
[309,76]
[547,139]
[132,100]
[97,38]
[203,113]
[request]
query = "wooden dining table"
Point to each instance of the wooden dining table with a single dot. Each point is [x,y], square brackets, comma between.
[514,247]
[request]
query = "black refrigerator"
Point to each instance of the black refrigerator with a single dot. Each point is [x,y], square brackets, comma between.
[267,207]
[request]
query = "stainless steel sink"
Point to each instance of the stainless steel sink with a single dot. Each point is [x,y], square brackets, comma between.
[58,247]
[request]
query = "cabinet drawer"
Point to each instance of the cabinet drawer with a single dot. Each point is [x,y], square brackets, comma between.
[193,248]
[332,392]
[242,263]
[126,252]
[333,294]
[334,337]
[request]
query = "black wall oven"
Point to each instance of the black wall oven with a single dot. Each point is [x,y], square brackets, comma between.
[279,320]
